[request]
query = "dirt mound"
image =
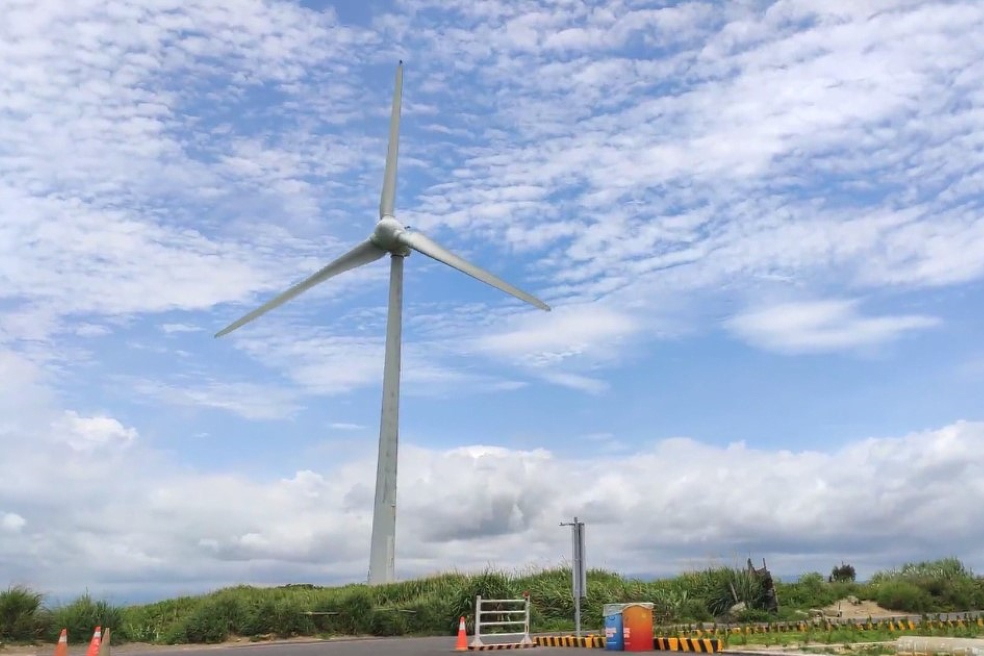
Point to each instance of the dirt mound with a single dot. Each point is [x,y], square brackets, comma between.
[853,608]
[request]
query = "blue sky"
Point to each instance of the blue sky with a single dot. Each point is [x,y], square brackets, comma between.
[759,225]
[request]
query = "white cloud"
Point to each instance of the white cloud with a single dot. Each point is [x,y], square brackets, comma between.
[831,145]
[116,173]
[179,328]
[780,140]
[576,381]
[328,361]
[570,331]
[91,433]
[11,522]
[248,400]
[92,330]
[166,527]
[345,426]
[822,326]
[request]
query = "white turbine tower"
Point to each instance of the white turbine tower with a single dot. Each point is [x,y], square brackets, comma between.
[390,237]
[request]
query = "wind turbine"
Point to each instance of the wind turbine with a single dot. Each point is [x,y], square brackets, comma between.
[390,237]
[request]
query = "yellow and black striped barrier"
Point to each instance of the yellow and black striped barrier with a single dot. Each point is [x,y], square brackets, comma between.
[502,645]
[704,640]
[695,645]
[588,642]
[699,645]
[890,625]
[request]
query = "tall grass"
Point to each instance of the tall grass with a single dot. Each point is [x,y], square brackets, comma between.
[81,616]
[22,616]
[433,605]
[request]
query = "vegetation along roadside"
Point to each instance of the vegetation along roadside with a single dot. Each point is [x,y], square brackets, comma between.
[432,606]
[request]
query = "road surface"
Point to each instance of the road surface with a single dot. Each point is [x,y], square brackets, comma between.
[364,647]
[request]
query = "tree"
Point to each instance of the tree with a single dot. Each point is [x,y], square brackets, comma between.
[842,573]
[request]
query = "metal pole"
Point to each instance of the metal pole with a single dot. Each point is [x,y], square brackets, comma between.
[527,618]
[579,579]
[579,562]
[477,638]
[577,615]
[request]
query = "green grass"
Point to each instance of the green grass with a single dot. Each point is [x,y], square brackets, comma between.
[433,605]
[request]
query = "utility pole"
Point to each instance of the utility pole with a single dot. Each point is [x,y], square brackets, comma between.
[579,574]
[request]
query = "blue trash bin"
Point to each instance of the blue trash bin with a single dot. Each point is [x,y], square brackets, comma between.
[614,640]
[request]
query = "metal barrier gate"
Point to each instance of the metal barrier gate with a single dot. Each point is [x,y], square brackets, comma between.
[524,621]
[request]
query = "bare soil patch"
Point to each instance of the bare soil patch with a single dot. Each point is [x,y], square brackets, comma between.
[850,608]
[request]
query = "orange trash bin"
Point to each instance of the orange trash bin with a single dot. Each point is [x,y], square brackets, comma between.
[637,626]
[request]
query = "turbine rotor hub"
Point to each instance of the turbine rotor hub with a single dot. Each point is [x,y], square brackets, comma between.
[387,236]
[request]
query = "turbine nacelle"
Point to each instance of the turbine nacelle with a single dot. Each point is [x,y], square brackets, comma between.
[387,236]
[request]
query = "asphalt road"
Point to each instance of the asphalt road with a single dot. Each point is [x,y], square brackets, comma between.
[368,647]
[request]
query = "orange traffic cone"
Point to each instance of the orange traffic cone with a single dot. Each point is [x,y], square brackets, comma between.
[462,644]
[61,649]
[93,649]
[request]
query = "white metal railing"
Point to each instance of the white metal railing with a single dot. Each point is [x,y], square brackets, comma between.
[480,611]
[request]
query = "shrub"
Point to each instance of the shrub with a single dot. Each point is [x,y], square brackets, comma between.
[903,596]
[813,591]
[22,617]
[433,605]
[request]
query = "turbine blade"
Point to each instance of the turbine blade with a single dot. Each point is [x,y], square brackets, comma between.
[428,247]
[387,198]
[364,253]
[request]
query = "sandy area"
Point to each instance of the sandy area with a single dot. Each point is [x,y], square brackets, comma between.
[858,611]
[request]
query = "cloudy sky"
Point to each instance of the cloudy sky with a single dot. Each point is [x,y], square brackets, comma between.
[759,225]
